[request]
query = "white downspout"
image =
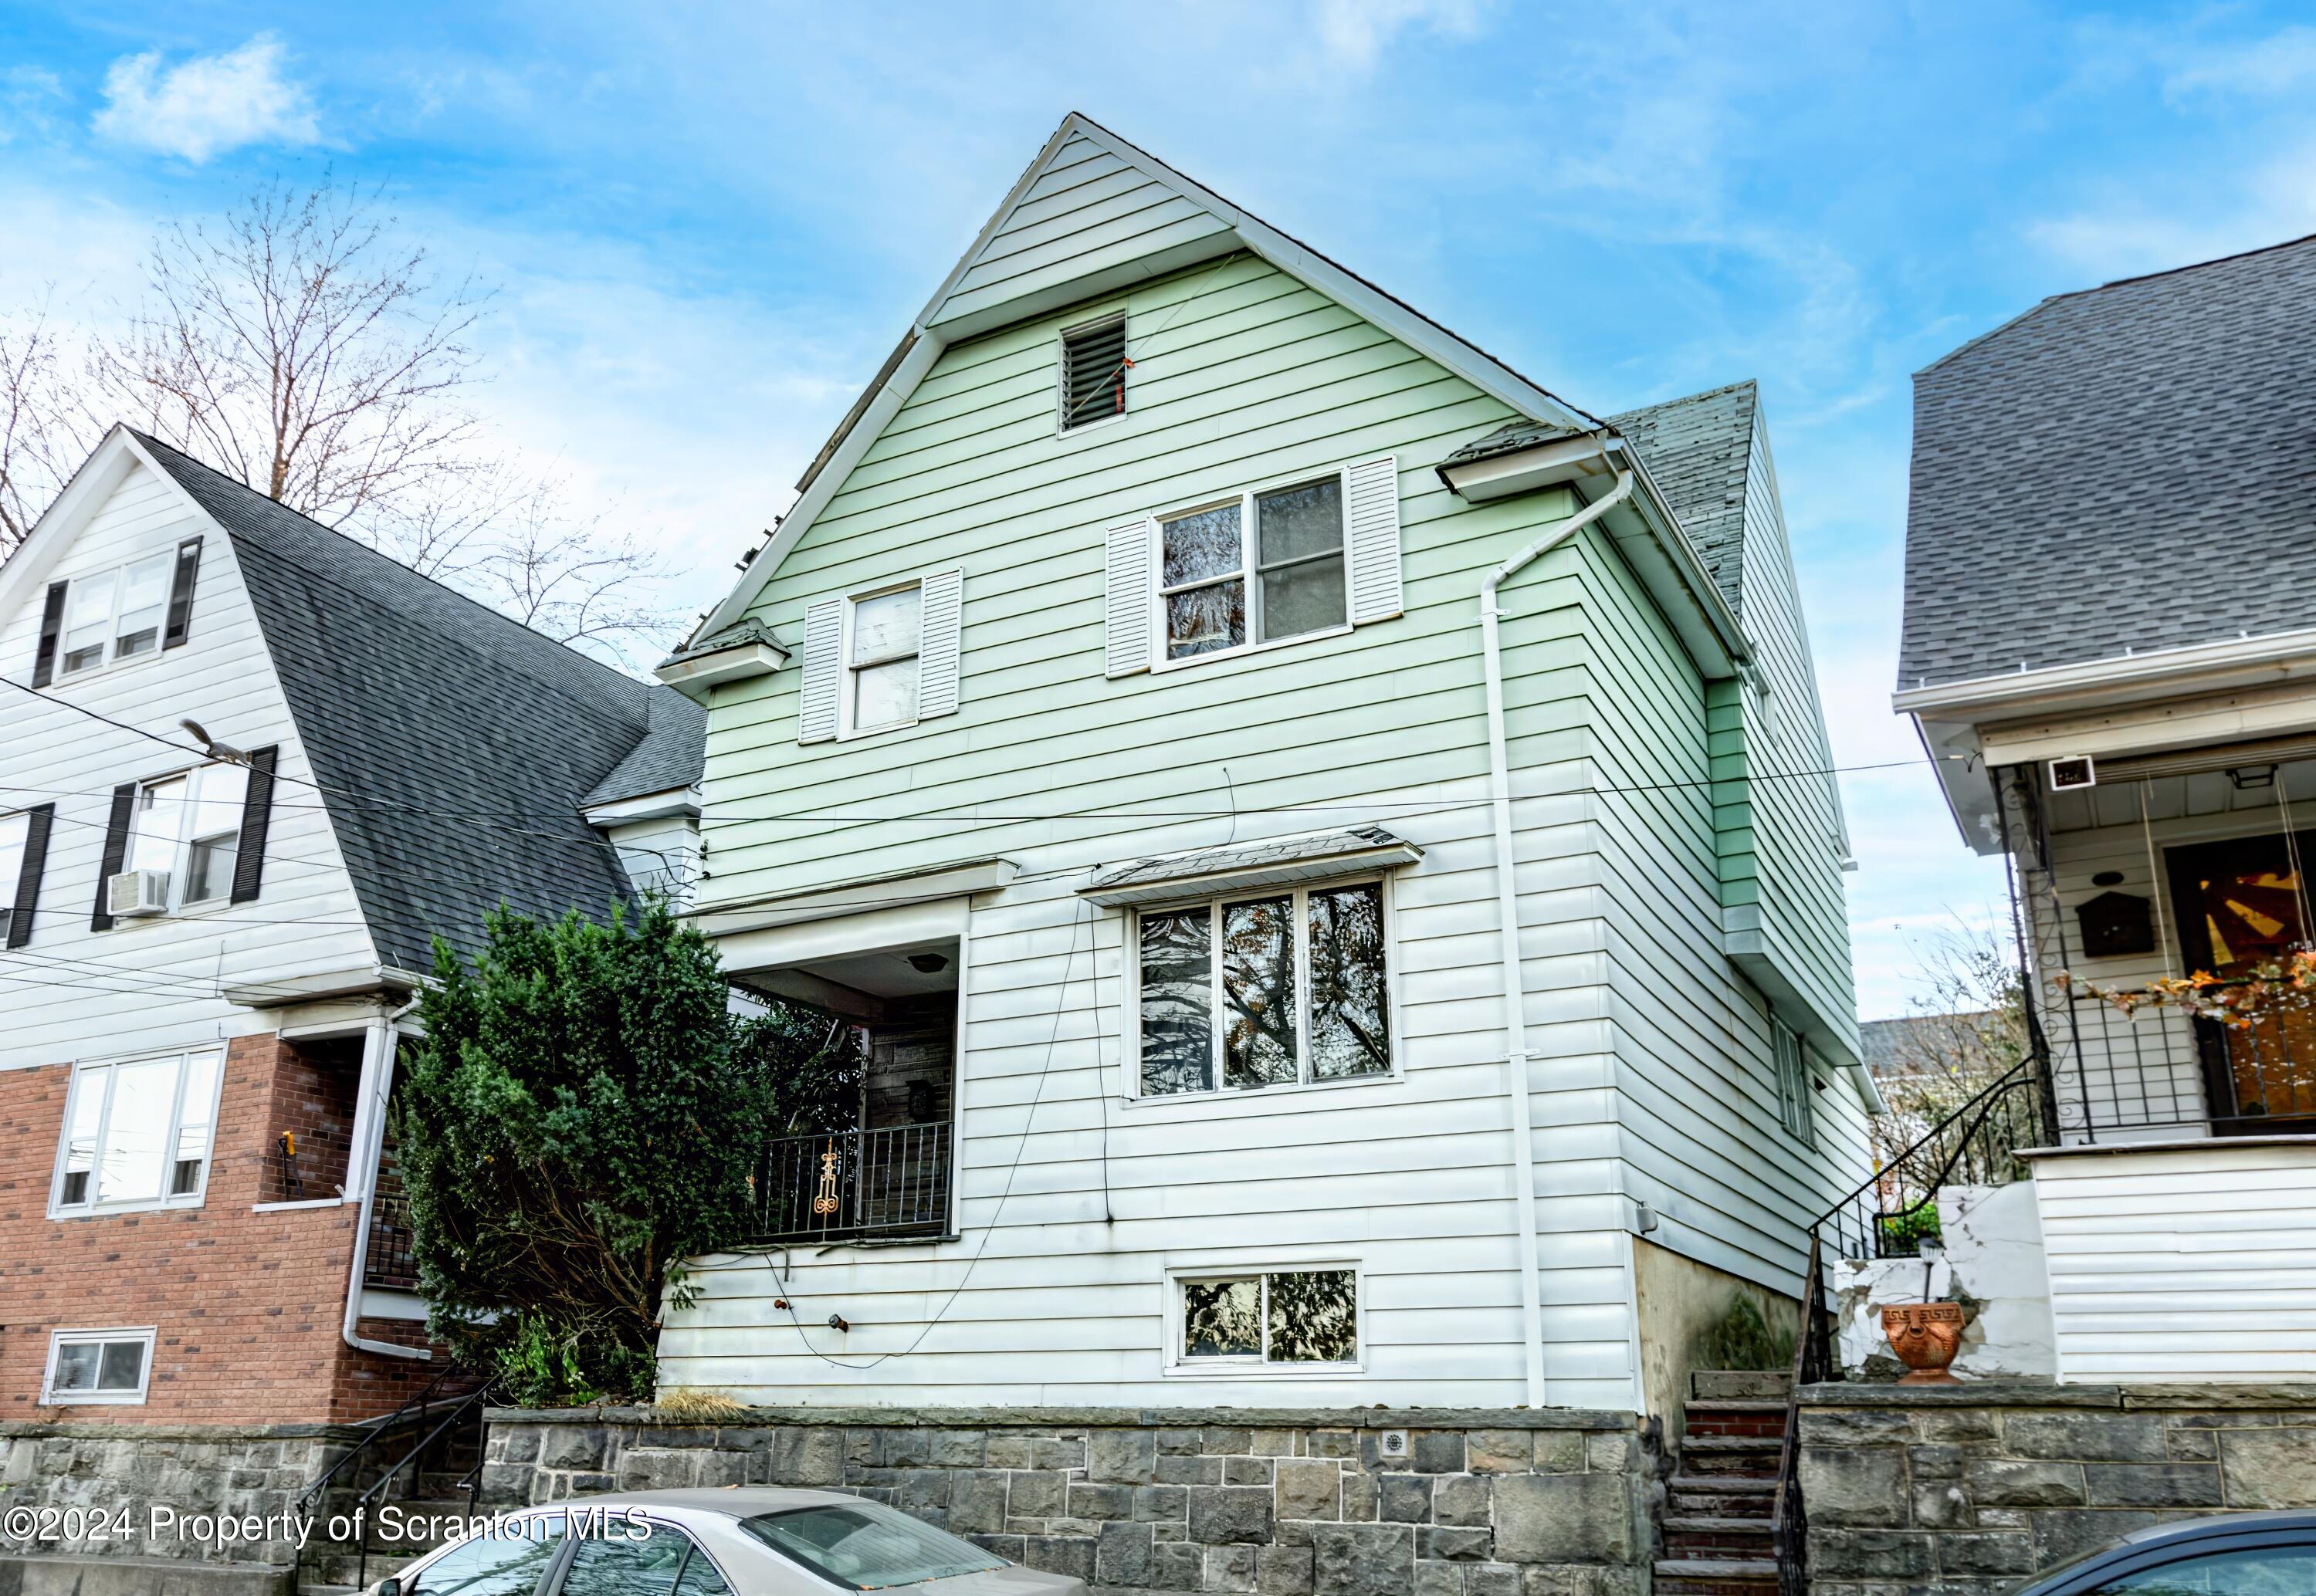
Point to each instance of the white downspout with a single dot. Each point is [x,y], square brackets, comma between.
[369,1140]
[1500,785]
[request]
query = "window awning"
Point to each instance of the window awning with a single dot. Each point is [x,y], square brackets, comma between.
[1276,862]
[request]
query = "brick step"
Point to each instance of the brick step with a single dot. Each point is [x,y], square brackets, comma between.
[1735,1415]
[1745,1456]
[1740,1384]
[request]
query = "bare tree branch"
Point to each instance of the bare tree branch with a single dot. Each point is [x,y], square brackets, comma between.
[305,345]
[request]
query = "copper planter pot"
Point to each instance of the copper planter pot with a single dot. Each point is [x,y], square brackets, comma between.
[1926,1336]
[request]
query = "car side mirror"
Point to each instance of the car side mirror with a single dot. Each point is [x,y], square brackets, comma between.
[391,1585]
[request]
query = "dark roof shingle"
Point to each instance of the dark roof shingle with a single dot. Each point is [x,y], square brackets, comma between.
[2132,467]
[454,747]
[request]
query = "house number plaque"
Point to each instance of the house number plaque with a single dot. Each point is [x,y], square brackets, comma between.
[823,1201]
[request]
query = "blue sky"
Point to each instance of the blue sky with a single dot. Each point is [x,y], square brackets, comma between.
[709,222]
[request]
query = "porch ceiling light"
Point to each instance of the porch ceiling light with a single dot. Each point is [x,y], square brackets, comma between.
[928,963]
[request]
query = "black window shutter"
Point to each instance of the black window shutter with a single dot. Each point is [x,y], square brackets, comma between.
[181,593]
[52,623]
[256,812]
[37,823]
[116,849]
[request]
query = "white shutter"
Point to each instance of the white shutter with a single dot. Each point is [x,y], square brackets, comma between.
[940,613]
[824,668]
[1127,640]
[1371,530]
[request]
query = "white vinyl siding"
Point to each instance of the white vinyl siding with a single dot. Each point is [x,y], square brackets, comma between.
[76,993]
[2184,1264]
[1649,1067]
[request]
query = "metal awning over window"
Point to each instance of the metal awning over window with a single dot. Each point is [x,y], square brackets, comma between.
[1285,861]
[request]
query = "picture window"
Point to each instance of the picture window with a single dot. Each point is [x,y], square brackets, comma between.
[1281,989]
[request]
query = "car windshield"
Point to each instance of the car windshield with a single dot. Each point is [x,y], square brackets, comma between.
[866,1545]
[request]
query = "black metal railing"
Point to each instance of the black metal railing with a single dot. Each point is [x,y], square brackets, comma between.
[392,1259]
[1894,1211]
[1814,1361]
[430,1414]
[846,1183]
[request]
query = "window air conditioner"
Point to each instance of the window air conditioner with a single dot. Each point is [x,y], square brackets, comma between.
[137,892]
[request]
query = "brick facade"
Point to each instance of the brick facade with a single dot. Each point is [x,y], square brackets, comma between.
[247,1307]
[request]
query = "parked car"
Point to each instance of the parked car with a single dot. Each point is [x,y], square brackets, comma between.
[736,1541]
[2252,1554]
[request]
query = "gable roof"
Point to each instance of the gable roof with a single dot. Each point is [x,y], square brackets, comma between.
[1093,214]
[2074,469]
[454,748]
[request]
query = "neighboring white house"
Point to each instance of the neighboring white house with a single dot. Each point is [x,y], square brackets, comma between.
[2110,650]
[1304,968]
[249,768]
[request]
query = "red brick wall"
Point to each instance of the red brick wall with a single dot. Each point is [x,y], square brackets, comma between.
[247,1307]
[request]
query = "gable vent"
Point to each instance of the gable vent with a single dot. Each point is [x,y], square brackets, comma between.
[1093,371]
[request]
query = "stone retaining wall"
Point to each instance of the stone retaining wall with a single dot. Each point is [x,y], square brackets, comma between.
[1963,1490]
[246,1471]
[1279,1502]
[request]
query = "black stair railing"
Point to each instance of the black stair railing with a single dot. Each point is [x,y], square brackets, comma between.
[439,1396]
[1812,1362]
[1891,1213]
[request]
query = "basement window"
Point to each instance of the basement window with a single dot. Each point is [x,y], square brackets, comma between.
[97,1366]
[1093,372]
[1265,1318]
[138,1134]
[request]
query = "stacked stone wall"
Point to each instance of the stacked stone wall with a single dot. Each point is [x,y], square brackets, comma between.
[1965,1490]
[1279,1502]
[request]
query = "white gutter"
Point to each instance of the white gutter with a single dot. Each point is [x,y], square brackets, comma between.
[2258,658]
[1500,785]
[369,1139]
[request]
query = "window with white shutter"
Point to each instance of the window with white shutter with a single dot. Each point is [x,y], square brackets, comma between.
[1302,558]
[882,659]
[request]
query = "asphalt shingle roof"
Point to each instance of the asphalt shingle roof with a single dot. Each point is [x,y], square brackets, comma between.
[2132,467]
[1698,451]
[454,746]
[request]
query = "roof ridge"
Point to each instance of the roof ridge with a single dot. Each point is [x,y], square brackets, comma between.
[1754,384]
[2047,300]
[499,616]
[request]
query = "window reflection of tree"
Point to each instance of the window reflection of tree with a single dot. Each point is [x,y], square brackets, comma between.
[1350,1018]
[645,1567]
[1313,1317]
[1177,1022]
[1258,992]
[1221,1318]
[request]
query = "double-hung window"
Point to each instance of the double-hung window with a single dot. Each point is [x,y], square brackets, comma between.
[188,826]
[115,616]
[1268,1318]
[1791,1061]
[1254,568]
[138,1133]
[882,637]
[15,829]
[97,1366]
[1279,989]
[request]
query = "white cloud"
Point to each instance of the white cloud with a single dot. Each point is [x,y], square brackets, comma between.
[1354,32]
[2187,218]
[207,105]
[2281,64]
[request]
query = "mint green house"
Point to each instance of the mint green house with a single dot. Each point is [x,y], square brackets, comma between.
[1331,845]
